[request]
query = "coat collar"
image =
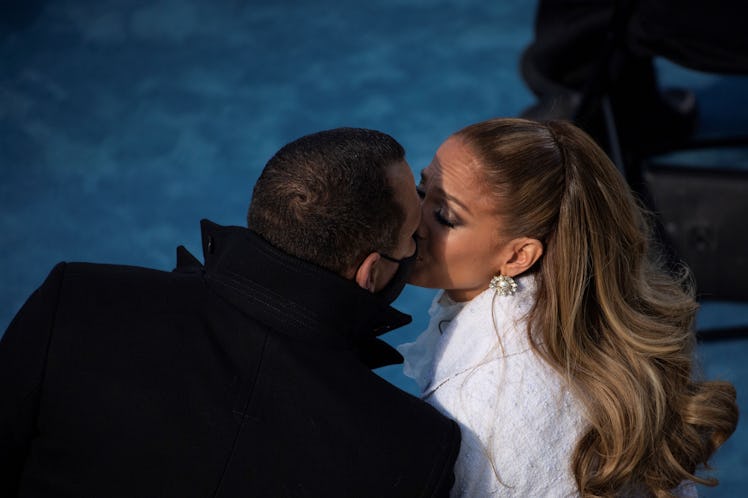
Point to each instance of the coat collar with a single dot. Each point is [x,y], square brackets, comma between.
[293,297]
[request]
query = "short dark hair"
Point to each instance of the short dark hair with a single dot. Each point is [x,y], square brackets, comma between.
[326,198]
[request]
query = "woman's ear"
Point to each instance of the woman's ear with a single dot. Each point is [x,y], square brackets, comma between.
[523,253]
[366,272]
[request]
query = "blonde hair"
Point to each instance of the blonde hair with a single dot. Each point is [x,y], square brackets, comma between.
[608,317]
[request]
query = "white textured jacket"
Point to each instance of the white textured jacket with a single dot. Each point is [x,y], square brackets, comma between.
[519,422]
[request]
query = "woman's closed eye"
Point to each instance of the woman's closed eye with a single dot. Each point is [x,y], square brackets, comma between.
[439,215]
[444,220]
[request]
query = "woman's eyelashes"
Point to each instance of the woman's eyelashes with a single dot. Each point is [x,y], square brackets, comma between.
[443,220]
[440,217]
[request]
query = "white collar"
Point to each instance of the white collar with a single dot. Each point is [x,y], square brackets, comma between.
[463,336]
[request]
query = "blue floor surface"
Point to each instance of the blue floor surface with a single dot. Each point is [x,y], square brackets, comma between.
[123,123]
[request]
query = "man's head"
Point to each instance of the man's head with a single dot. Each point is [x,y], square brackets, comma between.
[340,199]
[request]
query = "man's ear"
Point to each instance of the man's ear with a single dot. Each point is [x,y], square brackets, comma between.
[366,272]
[523,252]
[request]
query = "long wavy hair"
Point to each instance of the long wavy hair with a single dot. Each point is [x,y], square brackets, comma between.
[608,316]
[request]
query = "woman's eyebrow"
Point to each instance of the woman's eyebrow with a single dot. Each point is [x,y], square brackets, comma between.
[451,198]
[455,200]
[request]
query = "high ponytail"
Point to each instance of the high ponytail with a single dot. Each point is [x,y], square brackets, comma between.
[607,317]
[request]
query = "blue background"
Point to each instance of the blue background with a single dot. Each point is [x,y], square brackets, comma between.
[124,122]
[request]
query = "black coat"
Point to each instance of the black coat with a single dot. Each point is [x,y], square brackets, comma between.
[249,376]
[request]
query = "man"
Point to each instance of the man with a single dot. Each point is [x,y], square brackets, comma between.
[246,376]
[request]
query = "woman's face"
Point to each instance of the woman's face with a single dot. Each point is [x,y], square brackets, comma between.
[459,246]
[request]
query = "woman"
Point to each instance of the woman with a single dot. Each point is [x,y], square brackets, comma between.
[559,345]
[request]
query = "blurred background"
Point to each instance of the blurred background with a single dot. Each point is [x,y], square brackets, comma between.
[124,122]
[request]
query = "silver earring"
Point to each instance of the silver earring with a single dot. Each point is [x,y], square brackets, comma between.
[503,285]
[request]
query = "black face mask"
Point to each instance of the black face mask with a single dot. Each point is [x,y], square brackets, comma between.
[395,286]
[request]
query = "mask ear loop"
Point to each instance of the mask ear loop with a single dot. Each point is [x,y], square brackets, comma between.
[406,258]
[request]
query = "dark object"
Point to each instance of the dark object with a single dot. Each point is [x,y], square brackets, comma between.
[703,212]
[591,63]
[705,36]
[248,376]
